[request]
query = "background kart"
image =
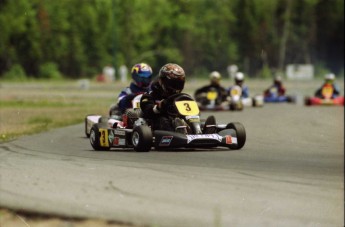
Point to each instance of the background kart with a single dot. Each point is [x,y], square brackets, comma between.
[235,101]
[135,132]
[327,98]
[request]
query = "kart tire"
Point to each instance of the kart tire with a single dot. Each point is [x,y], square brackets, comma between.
[142,138]
[240,106]
[307,101]
[254,102]
[95,138]
[240,133]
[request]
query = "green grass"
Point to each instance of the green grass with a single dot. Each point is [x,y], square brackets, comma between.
[35,104]
[32,107]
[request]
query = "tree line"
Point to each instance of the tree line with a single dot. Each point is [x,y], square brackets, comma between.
[79,37]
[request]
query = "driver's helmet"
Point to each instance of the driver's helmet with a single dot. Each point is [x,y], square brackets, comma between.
[239,78]
[329,78]
[142,75]
[215,77]
[172,79]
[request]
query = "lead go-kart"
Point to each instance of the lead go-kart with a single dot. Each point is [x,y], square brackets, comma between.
[210,100]
[133,131]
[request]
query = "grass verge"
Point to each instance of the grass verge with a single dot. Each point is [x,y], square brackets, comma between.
[27,108]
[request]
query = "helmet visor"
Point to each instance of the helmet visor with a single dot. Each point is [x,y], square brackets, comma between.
[143,79]
[173,85]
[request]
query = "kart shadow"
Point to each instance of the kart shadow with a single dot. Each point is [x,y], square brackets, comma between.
[179,150]
[165,150]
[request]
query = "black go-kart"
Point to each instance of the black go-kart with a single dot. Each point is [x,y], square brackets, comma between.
[133,131]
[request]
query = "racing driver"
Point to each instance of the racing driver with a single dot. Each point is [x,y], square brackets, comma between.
[142,77]
[170,81]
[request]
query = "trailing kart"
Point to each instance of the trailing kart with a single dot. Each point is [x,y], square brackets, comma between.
[115,116]
[326,98]
[133,131]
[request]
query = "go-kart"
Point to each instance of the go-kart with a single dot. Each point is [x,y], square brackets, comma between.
[271,96]
[133,131]
[234,101]
[210,100]
[238,101]
[326,98]
[115,115]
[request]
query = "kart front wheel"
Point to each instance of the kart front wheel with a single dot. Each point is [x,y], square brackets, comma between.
[240,134]
[142,138]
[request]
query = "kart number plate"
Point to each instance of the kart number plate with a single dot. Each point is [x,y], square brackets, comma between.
[212,95]
[104,137]
[187,108]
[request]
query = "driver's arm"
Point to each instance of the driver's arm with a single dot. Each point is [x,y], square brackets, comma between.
[336,90]
[148,106]
[318,93]
[125,101]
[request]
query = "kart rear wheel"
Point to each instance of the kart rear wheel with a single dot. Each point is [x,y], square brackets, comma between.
[142,138]
[240,133]
[95,137]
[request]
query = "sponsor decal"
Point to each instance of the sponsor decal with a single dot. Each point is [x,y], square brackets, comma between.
[194,120]
[166,140]
[122,142]
[233,140]
[116,141]
[228,139]
[119,142]
[217,137]
[192,117]
[119,132]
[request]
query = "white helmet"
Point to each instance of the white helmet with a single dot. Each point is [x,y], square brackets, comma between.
[239,76]
[215,77]
[329,76]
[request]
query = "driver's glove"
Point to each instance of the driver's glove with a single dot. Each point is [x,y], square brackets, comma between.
[162,106]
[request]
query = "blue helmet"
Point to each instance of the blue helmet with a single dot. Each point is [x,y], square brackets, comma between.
[142,74]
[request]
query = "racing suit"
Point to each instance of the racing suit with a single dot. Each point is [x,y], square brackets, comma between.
[153,106]
[126,96]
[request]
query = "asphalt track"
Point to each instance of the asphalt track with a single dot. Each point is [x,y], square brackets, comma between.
[289,173]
